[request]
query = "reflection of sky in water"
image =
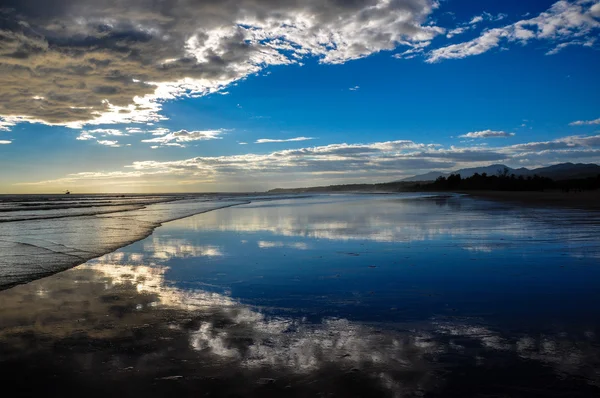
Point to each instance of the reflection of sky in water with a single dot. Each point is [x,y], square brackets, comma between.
[381,258]
[128,323]
[351,298]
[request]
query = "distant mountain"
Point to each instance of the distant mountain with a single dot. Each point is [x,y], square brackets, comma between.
[561,171]
[490,170]
[565,171]
[431,176]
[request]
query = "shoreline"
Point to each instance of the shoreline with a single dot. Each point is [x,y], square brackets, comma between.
[585,200]
[41,245]
[54,251]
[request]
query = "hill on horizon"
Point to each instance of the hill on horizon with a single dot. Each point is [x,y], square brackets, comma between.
[561,171]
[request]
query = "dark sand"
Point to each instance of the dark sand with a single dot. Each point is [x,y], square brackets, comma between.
[588,200]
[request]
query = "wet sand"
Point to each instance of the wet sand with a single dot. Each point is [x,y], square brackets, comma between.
[586,200]
[334,295]
[341,295]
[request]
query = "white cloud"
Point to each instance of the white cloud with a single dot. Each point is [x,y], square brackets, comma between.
[413,51]
[487,134]
[574,142]
[88,136]
[355,88]
[177,138]
[107,132]
[563,22]
[135,130]
[486,16]
[464,27]
[85,136]
[269,140]
[476,20]
[484,43]
[6,124]
[160,131]
[349,160]
[114,144]
[561,46]
[456,32]
[585,122]
[339,163]
[5,142]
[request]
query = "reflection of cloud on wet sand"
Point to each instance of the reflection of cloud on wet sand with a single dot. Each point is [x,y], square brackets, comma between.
[479,227]
[263,244]
[133,305]
[388,219]
[140,320]
[166,248]
[568,354]
[479,248]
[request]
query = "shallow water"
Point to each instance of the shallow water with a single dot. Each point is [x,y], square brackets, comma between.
[44,234]
[345,295]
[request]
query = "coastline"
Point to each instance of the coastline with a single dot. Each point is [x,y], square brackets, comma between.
[41,237]
[585,200]
[39,247]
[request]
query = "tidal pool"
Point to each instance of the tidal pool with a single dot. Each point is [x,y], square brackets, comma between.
[333,295]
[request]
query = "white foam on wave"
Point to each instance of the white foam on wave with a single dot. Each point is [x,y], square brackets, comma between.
[44,243]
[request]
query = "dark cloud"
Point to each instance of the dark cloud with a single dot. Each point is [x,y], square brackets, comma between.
[464,155]
[569,142]
[87,58]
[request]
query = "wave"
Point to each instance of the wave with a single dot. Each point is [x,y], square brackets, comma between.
[45,242]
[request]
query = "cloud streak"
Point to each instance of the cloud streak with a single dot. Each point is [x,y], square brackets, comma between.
[85,136]
[107,132]
[114,144]
[179,138]
[487,134]
[585,122]
[271,140]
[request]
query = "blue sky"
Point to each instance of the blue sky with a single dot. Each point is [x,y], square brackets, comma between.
[368,91]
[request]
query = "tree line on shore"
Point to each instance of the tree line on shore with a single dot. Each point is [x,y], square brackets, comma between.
[501,181]
[504,181]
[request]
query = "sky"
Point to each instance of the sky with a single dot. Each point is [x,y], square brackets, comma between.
[145,96]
